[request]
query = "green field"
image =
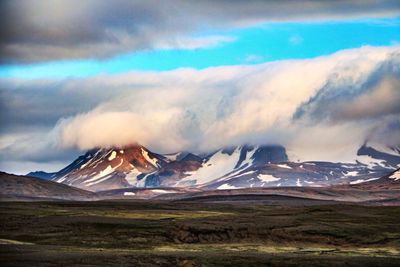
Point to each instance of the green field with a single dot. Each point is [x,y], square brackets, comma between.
[141,233]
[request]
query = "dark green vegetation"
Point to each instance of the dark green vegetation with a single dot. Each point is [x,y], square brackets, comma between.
[153,233]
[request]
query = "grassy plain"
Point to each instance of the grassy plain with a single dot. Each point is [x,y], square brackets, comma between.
[149,233]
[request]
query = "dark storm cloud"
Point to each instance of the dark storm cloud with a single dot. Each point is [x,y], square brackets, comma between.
[42,30]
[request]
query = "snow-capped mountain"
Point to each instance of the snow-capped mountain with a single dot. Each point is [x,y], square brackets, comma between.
[112,168]
[228,168]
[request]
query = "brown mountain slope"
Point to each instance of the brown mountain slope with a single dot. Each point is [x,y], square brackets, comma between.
[15,187]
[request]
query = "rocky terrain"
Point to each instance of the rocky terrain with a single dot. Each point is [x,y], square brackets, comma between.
[230,168]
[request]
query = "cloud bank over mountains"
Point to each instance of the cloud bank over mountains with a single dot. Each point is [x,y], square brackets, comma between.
[320,109]
[38,31]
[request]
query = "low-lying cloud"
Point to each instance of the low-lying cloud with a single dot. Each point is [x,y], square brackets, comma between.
[320,109]
[204,110]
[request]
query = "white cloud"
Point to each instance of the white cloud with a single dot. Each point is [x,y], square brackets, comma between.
[195,42]
[189,109]
[320,109]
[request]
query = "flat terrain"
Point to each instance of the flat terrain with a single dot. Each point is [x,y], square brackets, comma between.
[195,233]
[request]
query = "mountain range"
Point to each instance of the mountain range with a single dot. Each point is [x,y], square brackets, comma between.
[245,166]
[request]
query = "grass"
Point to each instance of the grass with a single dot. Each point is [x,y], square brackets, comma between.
[197,234]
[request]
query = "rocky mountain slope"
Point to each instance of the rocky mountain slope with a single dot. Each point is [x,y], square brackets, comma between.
[229,168]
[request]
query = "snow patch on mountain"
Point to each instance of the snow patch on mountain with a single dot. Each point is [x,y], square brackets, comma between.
[152,161]
[359,181]
[285,166]
[226,186]
[131,177]
[267,178]
[112,156]
[218,165]
[352,173]
[102,173]
[395,175]
[370,162]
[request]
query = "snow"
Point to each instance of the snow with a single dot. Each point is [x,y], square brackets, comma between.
[112,156]
[142,182]
[159,191]
[99,160]
[359,181]
[395,176]
[248,160]
[347,166]
[218,165]
[104,173]
[283,166]
[62,179]
[236,174]
[308,182]
[267,178]
[370,162]
[352,173]
[131,177]
[129,194]
[245,173]
[99,180]
[153,161]
[226,186]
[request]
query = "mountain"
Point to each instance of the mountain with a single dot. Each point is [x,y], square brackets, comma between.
[227,168]
[387,182]
[104,169]
[41,174]
[16,187]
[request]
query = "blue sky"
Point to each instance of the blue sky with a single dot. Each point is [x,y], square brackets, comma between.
[251,45]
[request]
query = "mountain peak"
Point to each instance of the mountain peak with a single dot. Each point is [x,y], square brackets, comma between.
[230,167]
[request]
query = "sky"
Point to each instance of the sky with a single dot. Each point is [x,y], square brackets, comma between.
[196,75]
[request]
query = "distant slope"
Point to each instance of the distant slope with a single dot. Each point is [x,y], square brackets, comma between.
[41,174]
[15,187]
[334,193]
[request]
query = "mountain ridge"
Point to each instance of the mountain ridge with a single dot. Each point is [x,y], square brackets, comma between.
[227,168]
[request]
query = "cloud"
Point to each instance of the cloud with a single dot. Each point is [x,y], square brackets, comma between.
[37,31]
[356,92]
[310,106]
[196,42]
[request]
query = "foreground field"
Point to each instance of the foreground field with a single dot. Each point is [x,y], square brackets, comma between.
[143,233]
